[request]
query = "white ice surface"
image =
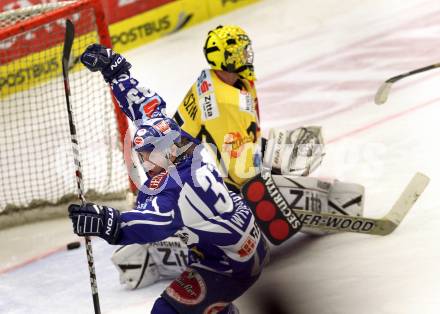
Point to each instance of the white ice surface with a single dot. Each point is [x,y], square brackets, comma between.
[317,63]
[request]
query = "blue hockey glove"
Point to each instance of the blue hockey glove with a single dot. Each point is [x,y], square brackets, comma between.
[95,220]
[100,58]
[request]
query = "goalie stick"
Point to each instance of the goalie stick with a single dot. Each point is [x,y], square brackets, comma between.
[67,48]
[377,226]
[334,222]
[383,91]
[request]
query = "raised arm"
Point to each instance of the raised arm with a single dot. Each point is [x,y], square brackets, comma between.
[138,103]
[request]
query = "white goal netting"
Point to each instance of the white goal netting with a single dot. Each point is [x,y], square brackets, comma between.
[36,160]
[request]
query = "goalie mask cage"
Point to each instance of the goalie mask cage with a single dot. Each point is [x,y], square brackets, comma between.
[36,159]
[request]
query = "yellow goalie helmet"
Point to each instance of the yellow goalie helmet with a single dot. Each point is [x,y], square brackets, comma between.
[229,48]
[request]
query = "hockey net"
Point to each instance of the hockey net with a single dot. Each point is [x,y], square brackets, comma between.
[36,160]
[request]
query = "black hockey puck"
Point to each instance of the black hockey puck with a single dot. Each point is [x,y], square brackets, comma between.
[73,245]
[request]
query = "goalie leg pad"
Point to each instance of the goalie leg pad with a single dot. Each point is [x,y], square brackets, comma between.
[142,265]
[312,194]
[135,266]
[306,194]
[170,256]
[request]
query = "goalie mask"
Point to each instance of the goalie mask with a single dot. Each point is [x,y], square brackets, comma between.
[229,48]
[154,142]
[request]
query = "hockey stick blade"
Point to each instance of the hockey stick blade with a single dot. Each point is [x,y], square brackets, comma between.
[382,93]
[409,196]
[67,48]
[382,226]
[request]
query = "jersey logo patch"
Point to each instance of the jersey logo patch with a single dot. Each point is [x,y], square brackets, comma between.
[234,143]
[209,107]
[246,102]
[204,83]
[190,105]
[248,248]
[157,180]
[162,127]
[139,141]
[207,100]
[151,106]
[189,288]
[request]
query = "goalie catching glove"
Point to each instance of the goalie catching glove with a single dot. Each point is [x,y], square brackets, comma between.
[294,152]
[100,58]
[95,220]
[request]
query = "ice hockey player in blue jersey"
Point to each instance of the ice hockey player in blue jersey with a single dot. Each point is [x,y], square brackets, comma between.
[184,196]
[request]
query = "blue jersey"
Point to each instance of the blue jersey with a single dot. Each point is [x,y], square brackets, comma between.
[193,203]
[189,200]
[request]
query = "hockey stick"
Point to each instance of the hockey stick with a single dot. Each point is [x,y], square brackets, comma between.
[383,91]
[68,42]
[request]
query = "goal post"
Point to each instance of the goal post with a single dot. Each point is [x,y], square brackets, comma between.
[36,161]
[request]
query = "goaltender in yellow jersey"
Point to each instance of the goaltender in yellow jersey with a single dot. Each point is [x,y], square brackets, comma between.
[226,117]
[221,107]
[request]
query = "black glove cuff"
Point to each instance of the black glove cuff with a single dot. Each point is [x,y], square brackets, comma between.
[111,229]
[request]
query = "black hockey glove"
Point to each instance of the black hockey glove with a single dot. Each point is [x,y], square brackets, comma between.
[100,58]
[95,220]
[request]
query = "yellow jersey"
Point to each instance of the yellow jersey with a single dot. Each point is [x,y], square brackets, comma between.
[226,118]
